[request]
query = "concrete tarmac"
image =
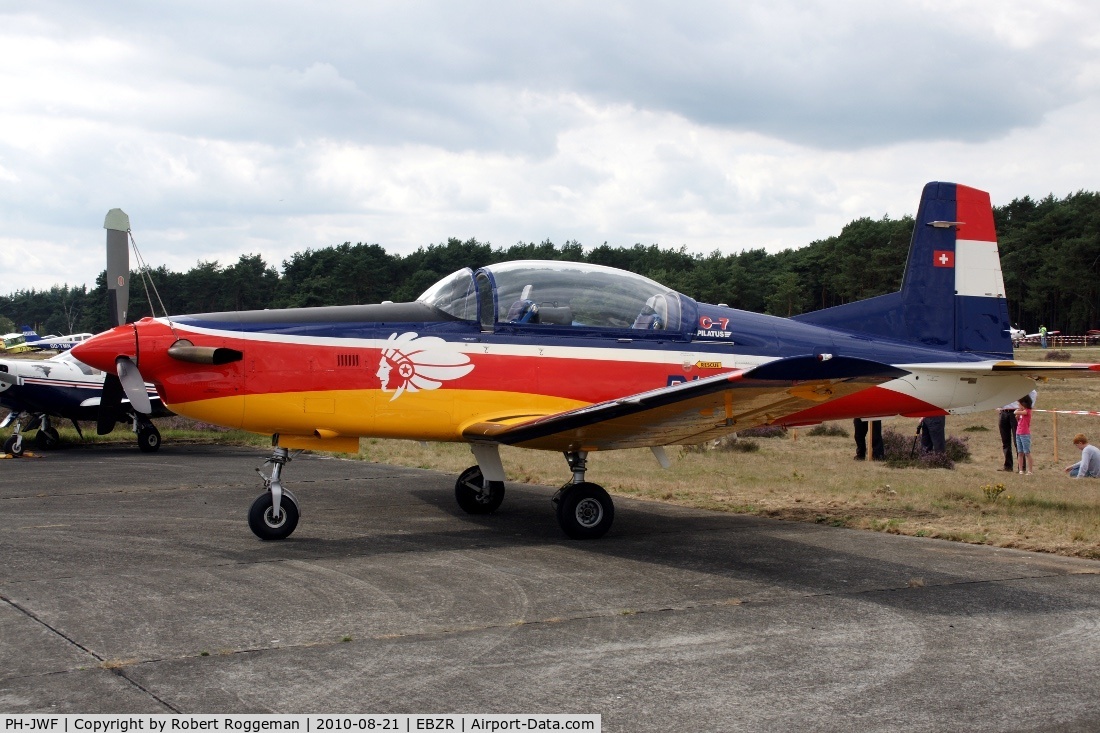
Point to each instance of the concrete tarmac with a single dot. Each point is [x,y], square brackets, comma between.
[131,583]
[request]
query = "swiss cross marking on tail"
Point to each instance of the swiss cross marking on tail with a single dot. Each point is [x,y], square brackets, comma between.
[943,258]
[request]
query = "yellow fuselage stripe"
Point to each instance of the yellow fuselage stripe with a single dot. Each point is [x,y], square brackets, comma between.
[436,415]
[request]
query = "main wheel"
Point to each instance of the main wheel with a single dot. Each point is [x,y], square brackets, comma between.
[475,495]
[47,438]
[585,510]
[265,525]
[14,445]
[148,438]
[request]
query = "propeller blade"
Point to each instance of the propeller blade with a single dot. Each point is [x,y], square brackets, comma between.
[109,403]
[117,225]
[133,385]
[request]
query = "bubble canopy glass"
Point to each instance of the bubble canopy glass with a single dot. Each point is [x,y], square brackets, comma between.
[562,293]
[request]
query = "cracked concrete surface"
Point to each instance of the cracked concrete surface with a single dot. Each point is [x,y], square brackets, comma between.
[131,583]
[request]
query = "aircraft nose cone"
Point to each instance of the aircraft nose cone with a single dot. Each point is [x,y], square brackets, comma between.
[101,350]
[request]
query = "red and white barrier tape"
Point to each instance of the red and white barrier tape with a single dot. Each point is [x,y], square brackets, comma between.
[1072,412]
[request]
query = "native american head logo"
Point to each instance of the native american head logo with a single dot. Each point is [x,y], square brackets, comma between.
[413,363]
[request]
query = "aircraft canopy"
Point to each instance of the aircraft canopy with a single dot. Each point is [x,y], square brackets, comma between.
[558,293]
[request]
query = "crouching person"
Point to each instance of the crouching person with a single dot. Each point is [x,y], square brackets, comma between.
[1089,465]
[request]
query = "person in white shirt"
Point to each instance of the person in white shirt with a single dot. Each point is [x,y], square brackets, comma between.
[1006,423]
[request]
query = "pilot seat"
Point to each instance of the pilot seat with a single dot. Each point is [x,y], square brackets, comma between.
[654,315]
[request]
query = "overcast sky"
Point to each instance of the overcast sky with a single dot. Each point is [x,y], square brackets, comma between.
[239,126]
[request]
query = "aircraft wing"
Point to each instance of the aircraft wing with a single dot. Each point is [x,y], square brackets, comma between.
[691,412]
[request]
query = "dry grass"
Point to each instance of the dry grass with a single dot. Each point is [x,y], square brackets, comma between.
[814,478]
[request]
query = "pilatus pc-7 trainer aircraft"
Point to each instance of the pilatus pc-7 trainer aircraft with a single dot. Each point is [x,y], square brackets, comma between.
[578,358]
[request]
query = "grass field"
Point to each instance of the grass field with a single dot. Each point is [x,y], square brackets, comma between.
[801,477]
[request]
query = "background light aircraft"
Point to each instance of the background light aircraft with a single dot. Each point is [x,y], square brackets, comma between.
[14,343]
[52,342]
[578,358]
[1019,335]
[36,390]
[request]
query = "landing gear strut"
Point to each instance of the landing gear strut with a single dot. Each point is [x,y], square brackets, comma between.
[46,437]
[13,445]
[274,515]
[585,511]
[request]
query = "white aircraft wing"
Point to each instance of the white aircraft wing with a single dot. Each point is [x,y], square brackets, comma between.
[691,412]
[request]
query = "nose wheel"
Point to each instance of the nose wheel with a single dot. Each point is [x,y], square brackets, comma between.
[148,437]
[266,524]
[13,446]
[274,515]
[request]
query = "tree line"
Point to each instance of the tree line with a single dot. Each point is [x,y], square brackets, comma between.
[1050,256]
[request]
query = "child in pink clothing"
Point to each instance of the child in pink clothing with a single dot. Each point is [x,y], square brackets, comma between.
[1023,434]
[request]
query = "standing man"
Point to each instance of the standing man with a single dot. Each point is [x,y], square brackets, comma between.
[1089,465]
[878,451]
[933,438]
[1006,423]
[1043,336]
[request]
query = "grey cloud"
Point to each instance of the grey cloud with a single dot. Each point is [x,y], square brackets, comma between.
[220,126]
[449,74]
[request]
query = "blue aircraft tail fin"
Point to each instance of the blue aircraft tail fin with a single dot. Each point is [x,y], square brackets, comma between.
[952,295]
[28,332]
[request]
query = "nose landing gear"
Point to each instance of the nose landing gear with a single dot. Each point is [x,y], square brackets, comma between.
[274,515]
[147,434]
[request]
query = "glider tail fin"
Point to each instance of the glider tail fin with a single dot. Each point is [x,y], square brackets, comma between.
[952,295]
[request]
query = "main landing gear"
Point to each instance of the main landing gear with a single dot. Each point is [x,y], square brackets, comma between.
[46,437]
[584,510]
[477,495]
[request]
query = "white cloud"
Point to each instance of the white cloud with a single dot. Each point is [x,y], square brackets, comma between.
[234,128]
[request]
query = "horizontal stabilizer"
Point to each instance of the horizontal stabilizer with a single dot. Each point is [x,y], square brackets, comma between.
[1043,369]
